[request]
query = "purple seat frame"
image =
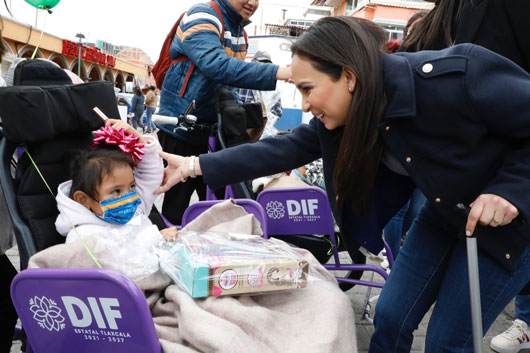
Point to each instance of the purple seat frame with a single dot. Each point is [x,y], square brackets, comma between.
[82,311]
[251,206]
[306,210]
[210,195]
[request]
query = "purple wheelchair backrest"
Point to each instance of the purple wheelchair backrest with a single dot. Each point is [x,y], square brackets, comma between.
[306,210]
[303,210]
[251,206]
[82,311]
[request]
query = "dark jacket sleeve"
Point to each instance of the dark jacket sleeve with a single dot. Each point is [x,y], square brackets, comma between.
[499,92]
[266,157]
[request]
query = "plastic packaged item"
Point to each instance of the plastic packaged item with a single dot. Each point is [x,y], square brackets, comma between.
[214,263]
[131,247]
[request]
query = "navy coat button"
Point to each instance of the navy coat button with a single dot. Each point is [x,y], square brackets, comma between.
[437,200]
[427,68]
[387,128]
[507,256]
[408,159]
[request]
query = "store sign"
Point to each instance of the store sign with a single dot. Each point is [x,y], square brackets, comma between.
[88,54]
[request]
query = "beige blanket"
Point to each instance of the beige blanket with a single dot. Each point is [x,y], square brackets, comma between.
[317,319]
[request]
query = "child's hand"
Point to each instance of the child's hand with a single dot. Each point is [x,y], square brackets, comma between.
[120,124]
[170,234]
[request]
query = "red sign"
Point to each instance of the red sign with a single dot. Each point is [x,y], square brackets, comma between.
[88,54]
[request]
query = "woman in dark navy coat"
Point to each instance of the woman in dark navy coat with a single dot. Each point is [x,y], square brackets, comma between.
[455,122]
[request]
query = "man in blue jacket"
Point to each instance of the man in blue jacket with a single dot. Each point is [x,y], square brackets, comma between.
[208,50]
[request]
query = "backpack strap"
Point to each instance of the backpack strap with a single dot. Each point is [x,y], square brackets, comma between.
[246,38]
[217,10]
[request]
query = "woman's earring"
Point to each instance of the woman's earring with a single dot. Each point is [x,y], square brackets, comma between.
[350,89]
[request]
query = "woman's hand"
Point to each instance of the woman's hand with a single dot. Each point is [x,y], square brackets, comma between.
[170,234]
[120,124]
[492,210]
[177,170]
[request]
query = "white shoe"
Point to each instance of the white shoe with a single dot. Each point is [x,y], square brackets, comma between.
[514,339]
[385,264]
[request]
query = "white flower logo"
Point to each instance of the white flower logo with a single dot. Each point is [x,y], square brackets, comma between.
[47,313]
[275,209]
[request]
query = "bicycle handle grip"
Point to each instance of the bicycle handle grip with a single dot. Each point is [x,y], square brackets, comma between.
[163,119]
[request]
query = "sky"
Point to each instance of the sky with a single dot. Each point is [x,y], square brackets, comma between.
[137,23]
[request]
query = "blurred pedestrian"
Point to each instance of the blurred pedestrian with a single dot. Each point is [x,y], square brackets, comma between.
[151,102]
[137,108]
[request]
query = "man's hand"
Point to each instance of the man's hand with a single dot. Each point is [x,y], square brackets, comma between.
[284,74]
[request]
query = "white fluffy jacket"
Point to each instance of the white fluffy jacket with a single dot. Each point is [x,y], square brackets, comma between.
[148,175]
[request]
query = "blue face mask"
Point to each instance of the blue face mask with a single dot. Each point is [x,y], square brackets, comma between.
[120,210]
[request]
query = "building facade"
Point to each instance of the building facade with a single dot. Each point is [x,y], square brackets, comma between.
[392,15]
[88,61]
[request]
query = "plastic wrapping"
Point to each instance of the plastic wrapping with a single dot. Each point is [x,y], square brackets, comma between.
[131,247]
[269,99]
[214,263]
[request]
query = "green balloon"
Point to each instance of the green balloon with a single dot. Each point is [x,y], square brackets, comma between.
[43,4]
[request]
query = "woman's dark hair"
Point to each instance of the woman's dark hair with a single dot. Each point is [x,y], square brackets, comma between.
[413,22]
[89,167]
[333,44]
[137,90]
[437,29]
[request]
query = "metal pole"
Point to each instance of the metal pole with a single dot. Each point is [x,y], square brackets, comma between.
[474,293]
[79,60]
[80,37]
[261,22]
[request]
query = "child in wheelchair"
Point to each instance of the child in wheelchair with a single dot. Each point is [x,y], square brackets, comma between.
[112,186]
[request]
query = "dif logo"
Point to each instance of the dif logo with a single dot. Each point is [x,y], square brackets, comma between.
[302,207]
[81,314]
[294,208]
